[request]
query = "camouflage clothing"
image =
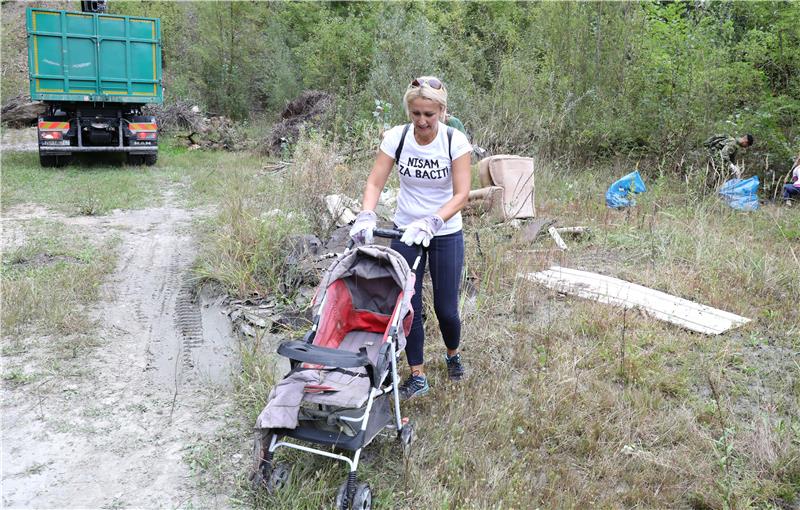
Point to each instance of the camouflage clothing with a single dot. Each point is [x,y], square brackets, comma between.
[454,122]
[724,146]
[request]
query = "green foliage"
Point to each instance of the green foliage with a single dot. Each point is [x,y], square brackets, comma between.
[582,80]
[337,54]
[230,55]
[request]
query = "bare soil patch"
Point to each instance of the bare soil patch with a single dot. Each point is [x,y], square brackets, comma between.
[20,140]
[111,425]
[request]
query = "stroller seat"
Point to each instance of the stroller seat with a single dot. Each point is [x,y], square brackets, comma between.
[356,315]
[346,387]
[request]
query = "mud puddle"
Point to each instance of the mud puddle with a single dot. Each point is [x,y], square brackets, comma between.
[113,427]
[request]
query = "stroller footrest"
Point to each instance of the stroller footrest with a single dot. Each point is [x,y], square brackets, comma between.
[323,437]
[301,351]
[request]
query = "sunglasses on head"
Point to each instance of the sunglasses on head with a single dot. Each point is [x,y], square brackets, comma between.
[431,82]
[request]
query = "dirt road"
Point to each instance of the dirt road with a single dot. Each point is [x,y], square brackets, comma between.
[23,140]
[112,429]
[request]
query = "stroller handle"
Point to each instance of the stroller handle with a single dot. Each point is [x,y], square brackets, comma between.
[388,233]
[393,233]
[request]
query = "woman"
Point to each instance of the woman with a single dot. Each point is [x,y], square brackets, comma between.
[792,190]
[433,163]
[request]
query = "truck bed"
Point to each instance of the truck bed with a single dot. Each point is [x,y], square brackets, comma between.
[85,57]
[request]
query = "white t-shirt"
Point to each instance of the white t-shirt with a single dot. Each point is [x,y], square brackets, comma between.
[426,182]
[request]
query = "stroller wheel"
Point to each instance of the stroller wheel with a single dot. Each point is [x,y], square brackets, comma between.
[362,499]
[406,438]
[260,467]
[279,477]
[342,501]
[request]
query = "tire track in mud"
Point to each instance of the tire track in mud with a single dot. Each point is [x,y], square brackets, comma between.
[189,322]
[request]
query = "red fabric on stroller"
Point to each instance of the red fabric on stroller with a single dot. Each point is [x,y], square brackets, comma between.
[340,317]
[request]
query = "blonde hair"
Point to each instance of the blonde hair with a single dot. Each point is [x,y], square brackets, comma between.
[425,91]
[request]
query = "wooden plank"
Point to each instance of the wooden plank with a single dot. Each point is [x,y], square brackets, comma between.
[663,306]
[579,231]
[557,238]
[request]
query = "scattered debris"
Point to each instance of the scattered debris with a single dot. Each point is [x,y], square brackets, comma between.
[249,314]
[216,133]
[197,130]
[20,111]
[306,261]
[533,230]
[514,176]
[276,167]
[312,106]
[575,231]
[342,209]
[663,306]
[387,203]
[44,259]
[557,238]
[488,200]
[177,116]
[258,315]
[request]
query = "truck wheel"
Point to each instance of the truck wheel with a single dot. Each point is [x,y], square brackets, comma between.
[150,159]
[135,159]
[53,161]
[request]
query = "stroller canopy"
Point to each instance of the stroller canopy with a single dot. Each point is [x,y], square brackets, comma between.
[362,291]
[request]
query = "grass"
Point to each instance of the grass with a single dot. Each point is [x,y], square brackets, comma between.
[101,183]
[570,403]
[575,404]
[260,215]
[48,281]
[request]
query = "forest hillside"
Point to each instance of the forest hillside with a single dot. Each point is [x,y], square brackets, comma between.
[634,80]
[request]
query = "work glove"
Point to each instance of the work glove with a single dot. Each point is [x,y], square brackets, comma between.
[735,169]
[422,231]
[363,226]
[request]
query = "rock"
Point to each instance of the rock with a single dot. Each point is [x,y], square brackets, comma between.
[342,209]
[20,111]
[257,320]
[247,329]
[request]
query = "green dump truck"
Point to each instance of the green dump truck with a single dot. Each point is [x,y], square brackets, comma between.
[94,72]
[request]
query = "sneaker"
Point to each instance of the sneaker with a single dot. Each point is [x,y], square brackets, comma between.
[414,386]
[455,370]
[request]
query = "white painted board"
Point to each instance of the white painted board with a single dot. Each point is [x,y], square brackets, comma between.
[663,306]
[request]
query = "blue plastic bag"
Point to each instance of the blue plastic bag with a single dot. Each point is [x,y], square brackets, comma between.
[620,194]
[741,194]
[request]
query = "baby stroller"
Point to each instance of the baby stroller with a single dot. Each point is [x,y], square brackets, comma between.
[343,372]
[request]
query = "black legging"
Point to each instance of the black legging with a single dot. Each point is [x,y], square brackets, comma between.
[446,254]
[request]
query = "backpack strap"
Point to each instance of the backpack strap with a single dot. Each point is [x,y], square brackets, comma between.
[450,142]
[400,145]
[403,141]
